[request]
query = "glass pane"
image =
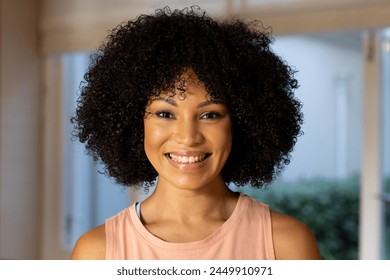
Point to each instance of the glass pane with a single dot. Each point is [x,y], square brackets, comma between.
[88,196]
[321,184]
[386,137]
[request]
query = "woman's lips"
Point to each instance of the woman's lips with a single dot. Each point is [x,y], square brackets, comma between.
[188,160]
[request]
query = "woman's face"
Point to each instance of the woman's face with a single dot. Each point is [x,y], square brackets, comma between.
[188,140]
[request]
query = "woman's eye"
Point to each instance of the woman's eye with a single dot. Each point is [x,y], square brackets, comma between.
[211,115]
[164,115]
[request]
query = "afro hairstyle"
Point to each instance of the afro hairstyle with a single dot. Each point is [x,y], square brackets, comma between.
[140,59]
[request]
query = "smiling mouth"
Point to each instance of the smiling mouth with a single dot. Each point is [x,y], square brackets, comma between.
[188,159]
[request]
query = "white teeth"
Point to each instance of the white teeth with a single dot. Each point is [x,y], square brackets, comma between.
[184,159]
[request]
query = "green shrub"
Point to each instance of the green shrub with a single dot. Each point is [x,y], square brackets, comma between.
[329,207]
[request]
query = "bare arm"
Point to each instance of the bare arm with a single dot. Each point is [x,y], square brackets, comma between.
[91,245]
[293,240]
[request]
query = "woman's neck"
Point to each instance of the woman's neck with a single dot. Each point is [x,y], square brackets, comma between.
[214,201]
[182,215]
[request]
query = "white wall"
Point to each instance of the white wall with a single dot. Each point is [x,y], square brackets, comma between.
[19,129]
[327,67]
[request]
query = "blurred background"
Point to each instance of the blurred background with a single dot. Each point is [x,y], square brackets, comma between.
[338,181]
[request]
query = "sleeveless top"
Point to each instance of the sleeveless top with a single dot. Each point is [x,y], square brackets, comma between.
[247,234]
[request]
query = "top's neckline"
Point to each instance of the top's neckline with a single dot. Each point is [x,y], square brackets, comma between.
[213,238]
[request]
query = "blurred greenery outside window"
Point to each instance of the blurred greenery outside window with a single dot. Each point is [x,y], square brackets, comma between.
[329,207]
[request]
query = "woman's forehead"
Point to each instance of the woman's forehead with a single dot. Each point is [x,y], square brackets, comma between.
[186,84]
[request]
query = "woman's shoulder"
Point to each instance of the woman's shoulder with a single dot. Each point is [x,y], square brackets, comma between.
[91,245]
[292,238]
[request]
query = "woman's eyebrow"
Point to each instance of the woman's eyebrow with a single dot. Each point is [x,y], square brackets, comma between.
[167,100]
[200,105]
[209,102]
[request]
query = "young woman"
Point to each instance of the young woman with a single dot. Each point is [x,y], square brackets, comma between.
[191,104]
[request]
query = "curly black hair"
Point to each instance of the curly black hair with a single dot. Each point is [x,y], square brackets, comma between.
[233,59]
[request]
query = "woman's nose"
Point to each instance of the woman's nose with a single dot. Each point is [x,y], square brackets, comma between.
[187,132]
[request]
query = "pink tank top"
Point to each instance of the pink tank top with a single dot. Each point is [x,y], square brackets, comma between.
[247,234]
